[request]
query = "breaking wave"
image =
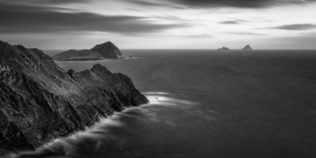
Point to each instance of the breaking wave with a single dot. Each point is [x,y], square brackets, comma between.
[101,135]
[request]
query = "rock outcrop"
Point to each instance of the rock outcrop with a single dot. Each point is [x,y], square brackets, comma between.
[39,101]
[102,51]
[223,49]
[247,48]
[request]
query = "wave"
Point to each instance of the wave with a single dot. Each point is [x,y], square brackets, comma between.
[100,136]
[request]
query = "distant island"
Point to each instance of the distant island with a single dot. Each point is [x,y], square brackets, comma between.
[223,49]
[102,51]
[247,48]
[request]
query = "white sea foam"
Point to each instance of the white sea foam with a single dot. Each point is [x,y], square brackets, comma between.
[168,101]
[100,133]
[156,93]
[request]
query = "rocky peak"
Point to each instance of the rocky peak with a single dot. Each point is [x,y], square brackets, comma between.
[100,68]
[107,50]
[104,45]
[223,49]
[31,62]
[247,47]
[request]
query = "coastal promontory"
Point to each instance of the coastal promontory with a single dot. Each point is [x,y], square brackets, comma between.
[39,101]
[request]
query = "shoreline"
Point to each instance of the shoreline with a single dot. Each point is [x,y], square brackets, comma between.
[88,131]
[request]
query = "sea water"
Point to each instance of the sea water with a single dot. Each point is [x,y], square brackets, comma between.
[206,104]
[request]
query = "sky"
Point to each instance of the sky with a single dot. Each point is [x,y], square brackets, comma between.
[159,24]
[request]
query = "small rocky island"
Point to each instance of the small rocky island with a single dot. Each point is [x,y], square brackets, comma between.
[102,51]
[39,101]
[223,49]
[247,48]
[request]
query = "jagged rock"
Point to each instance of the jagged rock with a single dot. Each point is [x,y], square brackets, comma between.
[102,51]
[247,48]
[39,101]
[223,49]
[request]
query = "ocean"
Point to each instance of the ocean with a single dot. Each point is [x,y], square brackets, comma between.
[206,104]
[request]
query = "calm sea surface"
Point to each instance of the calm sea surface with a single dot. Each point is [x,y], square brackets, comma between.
[205,104]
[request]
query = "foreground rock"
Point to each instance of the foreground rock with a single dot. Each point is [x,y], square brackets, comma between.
[106,50]
[247,48]
[39,101]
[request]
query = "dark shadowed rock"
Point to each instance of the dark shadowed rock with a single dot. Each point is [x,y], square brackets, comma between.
[102,51]
[223,49]
[247,48]
[107,50]
[39,101]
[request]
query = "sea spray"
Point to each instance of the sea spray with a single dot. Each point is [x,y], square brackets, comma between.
[99,136]
[108,134]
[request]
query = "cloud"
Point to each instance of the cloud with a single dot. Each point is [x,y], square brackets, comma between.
[32,2]
[34,19]
[161,3]
[295,27]
[230,22]
[225,3]
[65,1]
[146,3]
[245,33]
[235,21]
[199,36]
[179,4]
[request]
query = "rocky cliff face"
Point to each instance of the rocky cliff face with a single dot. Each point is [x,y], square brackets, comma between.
[39,101]
[105,50]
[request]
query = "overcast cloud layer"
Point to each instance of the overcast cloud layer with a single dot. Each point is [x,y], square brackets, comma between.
[224,3]
[29,19]
[161,24]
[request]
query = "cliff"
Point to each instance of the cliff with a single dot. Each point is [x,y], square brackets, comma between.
[39,101]
[105,50]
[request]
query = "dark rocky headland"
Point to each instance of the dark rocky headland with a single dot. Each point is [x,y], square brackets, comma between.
[39,101]
[102,51]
